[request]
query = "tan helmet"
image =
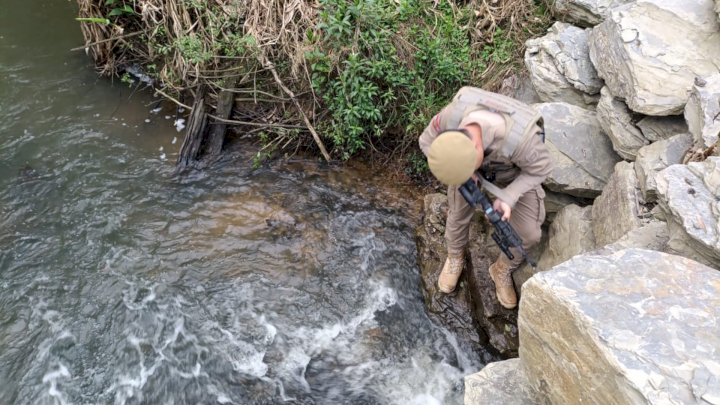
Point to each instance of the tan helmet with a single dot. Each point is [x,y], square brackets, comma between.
[452,158]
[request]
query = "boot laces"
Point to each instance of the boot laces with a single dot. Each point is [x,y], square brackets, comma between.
[503,274]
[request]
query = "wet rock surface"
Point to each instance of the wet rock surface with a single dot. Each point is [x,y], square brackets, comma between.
[453,311]
[615,212]
[560,67]
[656,157]
[472,310]
[616,120]
[650,52]
[499,383]
[702,111]
[582,153]
[629,326]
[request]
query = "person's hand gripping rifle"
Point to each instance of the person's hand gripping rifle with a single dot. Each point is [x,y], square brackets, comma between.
[505,236]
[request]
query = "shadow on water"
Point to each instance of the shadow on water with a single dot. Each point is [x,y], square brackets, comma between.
[122,282]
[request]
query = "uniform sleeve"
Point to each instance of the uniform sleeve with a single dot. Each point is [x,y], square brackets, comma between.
[535,162]
[436,125]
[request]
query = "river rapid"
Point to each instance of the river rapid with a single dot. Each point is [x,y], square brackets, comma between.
[124,282]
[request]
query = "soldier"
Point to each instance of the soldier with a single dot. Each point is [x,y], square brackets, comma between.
[504,138]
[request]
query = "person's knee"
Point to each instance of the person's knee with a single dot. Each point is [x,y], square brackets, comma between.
[534,236]
[530,234]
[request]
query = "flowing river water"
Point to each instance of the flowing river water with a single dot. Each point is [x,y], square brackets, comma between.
[122,282]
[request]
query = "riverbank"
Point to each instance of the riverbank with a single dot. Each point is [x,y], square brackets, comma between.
[358,79]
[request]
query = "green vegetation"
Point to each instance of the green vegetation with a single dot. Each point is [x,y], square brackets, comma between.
[370,73]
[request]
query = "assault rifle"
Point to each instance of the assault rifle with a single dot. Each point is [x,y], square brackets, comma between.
[505,236]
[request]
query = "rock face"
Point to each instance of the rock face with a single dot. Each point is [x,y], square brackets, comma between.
[623,327]
[617,122]
[703,110]
[472,311]
[499,383]
[587,13]
[653,236]
[659,128]
[689,198]
[520,88]
[454,311]
[656,157]
[554,202]
[582,153]
[560,67]
[615,212]
[570,234]
[650,51]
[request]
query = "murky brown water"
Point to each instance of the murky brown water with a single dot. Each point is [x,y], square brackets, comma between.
[124,283]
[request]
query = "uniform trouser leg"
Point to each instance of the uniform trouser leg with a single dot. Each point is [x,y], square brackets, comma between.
[527,217]
[460,213]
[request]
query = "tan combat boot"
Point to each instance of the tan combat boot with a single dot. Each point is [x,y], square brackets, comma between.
[501,274]
[451,270]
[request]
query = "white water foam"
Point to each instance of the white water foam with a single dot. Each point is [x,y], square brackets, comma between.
[52,378]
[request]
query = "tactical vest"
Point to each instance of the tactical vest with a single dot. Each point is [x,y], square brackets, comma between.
[519,117]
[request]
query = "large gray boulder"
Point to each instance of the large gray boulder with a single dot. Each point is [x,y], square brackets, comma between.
[570,234]
[615,212]
[702,111]
[560,67]
[499,383]
[689,198]
[587,13]
[618,123]
[554,202]
[656,157]
[653,236]
[658,128]
[649,52]
[623,327]
[582,153]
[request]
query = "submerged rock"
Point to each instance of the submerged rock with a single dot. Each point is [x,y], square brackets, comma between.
[617,122]
[587,13]
[702,112]
[656,157]
[615,212]
[560,67]
[582,153]
[623,327]
[649,52]
[499,383]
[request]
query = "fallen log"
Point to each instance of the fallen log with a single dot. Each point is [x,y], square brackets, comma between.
[196,129]
[216,137]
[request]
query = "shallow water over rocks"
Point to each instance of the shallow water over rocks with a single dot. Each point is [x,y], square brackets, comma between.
[123,282]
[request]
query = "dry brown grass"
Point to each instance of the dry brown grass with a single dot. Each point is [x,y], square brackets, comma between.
[279,28]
